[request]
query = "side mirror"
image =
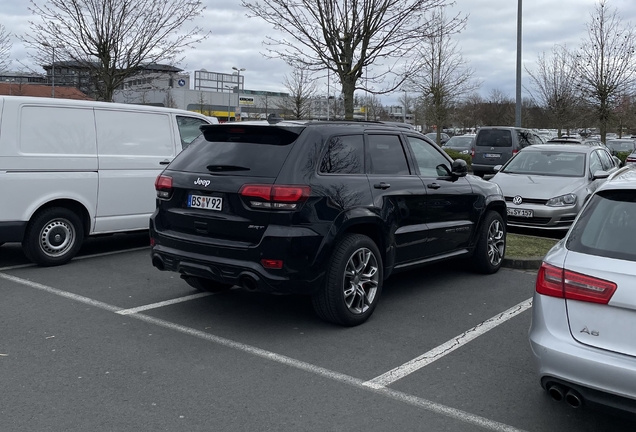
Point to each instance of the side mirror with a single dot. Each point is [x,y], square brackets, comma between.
[497,168]
[459,168]
[598,175]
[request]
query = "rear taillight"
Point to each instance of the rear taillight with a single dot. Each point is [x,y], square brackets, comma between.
[278,197]
[514,152]
[630,159]
[557,282]
[472,152]
[163,186]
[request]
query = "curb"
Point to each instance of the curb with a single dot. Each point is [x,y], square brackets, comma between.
[533,263]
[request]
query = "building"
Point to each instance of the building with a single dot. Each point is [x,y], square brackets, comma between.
[22,77]
[72,74]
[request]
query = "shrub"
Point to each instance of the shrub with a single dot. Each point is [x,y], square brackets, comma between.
[622,156]
[457,155]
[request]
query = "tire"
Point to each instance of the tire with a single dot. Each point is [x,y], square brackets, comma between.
[53,236]
[491,246]
[206,285]
[335,301]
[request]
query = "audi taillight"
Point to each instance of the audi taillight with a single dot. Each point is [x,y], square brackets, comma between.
[163,186]
[557,282]
[280,197]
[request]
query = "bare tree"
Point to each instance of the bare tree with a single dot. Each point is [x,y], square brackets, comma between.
[168,100]
[373,106]
[554,86]
[443,75]
[606,62]
[345,36]
[498,109]
[469,111]
[112,38]
[5,48]
[302,88]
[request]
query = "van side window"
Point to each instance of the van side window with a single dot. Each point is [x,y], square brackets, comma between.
[189,129]
[128,133]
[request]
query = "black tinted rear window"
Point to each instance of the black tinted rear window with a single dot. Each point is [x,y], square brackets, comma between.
[237,150]
[494,138]
[607,226]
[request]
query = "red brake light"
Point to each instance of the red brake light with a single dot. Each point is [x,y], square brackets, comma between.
[163,186]
[272,264]
[514,152]
[275,196]
[472,152]
[556,282]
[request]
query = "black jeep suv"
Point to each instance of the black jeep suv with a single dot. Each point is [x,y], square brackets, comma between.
[327,209]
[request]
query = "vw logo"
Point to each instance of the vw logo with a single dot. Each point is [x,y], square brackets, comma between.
[517,200]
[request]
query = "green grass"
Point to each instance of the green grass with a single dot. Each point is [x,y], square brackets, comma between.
[523,246]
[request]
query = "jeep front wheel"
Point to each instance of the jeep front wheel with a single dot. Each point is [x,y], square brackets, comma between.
[353,283]
[491,246]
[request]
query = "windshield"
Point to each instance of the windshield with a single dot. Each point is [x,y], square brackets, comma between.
[459,142]
[621,146]
[549,163]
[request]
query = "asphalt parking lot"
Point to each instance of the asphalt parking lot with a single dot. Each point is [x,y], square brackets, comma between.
[108,343]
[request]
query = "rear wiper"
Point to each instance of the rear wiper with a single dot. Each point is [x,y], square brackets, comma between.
[222,168]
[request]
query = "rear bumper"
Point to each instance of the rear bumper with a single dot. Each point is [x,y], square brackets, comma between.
[601,377]
[301,273]
[12,231]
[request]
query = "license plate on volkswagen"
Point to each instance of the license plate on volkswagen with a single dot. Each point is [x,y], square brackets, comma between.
[493,155]
[205,202]
[520,213]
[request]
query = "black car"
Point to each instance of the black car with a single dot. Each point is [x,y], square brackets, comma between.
[327,209]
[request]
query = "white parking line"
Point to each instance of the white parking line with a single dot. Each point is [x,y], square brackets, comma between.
[288,361]
[437,353]
[103,254]
[162,304]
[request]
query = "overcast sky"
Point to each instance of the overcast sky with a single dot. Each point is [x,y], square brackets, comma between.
[488,43]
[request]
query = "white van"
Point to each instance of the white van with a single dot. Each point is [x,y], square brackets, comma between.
[70,169]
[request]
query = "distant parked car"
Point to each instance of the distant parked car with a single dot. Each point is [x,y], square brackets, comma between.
[631,159]
[621,145]
[545,186]
[590,142]
[460,143]
[496,145]
[444,138]
[583,311]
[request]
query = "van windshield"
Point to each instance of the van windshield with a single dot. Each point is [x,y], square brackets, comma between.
[494,138]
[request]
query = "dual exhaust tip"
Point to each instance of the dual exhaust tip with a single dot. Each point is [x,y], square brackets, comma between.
[247,280]
[560,393]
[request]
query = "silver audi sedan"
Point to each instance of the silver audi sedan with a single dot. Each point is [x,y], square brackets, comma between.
[546,185]
[582,335]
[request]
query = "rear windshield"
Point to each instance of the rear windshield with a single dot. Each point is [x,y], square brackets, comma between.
[622,146]
[607,226]
[237,150]
[494,138]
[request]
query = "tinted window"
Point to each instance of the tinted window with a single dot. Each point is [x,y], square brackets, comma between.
[428,158]
[552,163]
[606,226]
[386,155]
[494,138]
[233,150]
[344,155]
[189,129]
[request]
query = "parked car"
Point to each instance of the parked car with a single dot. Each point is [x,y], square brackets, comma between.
[631,159]
[444,138]
[460,143]
[496,145]
[621,146]
[591,142]
[546,185]
[328,210]
[71,169]
[583,311]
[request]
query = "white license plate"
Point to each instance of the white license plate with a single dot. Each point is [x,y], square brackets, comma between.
[205,202]
[520,213]
[493,155]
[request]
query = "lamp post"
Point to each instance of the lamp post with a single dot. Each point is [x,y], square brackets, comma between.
[405,105]
[518,92]
[48,45]
[238,76]
[229,96]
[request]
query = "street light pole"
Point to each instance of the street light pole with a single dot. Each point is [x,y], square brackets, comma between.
[229,100]
[518,104]
[46,44]
[238,75]
[405,105]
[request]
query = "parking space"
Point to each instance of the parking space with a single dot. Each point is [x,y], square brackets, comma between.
[246,361]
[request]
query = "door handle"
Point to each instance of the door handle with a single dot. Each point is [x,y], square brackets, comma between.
[382,185]
[433,186]
[164,162]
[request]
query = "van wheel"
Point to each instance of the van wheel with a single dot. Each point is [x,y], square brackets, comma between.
[53,236]
[206,285]
[353,282]
[491,246]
